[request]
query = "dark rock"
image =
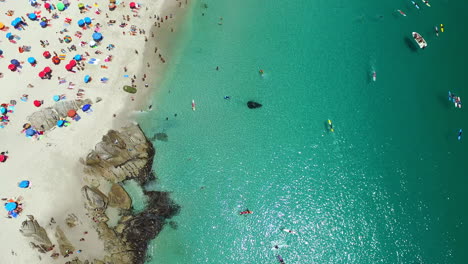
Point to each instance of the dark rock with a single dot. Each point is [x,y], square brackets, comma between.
[119,198]
[160,137]
[31,228]
[252,105]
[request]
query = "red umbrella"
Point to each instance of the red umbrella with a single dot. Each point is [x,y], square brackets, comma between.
[68,67]
[71,113]
[47,70]
[42,74]
[132,5]
[46,54]
[37,103]
[3,158]
[47,5]
[12,67]
[72,63]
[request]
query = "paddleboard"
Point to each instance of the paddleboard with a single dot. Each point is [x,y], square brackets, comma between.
[441,27]
[426,2]
[331,125]
[193,105]
[459,134]
[289,231]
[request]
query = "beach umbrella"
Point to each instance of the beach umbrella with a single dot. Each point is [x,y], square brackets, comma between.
[32,16]
[3,158]
[71,113]
[87,20]
[87,79]
[56,98]
[56,60]
[81,23]
[37,103]
[43,24]
[26,125]
[15,62]
[30,132]
[67,39]
[97,36]
[1,52]
[92,43]
[77,57]
[72,63]
[60,6]
[132,5]
[112,6]
[112,1]
[86,107]
[32,60]
[11,206]
[46,54]
[3,110]
[47,6]
[2,26]
[80,5]
[12,67]
[9,36]
[60,123]
[23,184]
[14,23]
[42,74]
[69,67]
[47,70]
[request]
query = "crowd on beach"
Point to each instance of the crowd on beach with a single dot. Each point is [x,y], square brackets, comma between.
[79,47]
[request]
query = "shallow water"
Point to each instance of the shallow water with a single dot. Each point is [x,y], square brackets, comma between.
[385,187]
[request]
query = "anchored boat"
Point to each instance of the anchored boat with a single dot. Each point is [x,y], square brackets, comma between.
[420,40]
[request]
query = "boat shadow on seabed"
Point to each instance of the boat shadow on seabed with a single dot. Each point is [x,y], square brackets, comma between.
[410,43]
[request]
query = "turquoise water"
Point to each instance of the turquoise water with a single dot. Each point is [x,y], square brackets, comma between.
[386,187]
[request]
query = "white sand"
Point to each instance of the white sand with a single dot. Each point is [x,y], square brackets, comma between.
[51,163]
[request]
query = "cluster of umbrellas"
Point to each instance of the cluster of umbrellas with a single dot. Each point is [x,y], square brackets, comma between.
[17,22]
[46,73]
[13,208]
[70,65]
[85,21]
[14,65]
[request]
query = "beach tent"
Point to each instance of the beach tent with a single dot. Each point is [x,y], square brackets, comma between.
[24,184]
[97,36]
[43,24]
[11,206]
[32,16]
[56,98]
[60,123]
[86,107]
[32,60]
[87,20]
[60,6]
[46,54]
[71,113]
[30,132]
[87,79]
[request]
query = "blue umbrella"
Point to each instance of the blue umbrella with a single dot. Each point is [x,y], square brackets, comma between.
[77,57]
[87,20]
[14,23]
[15,62]
[1,52]
[87,78]
[56,98]
[31,60]
[32,16]
[3,110]
[97,36]
[23,184]
[81,22]
[9,36]
[86,107]
[43,24]
[60,123]
[30,132]
[11,206]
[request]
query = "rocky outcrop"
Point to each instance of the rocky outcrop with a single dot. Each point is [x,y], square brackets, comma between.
[31,228]
[119,198]
[65,247]
[120,156]
[47,118]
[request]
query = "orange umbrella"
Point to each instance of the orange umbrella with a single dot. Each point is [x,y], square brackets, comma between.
[56,60]
[2,26]
[71,113]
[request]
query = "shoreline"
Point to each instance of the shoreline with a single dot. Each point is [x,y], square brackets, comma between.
[51,164]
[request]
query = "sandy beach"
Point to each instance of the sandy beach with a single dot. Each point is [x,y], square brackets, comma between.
[50,158]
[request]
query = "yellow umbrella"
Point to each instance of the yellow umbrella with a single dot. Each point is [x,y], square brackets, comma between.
[2,26]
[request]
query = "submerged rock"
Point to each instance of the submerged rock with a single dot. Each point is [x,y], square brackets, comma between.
[252,105]
[161,137]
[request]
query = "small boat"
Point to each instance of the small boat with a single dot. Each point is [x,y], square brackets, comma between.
[420,40]
[436,30]
[401,12]
[193,105]
[246,212]
[280,259]
[426,2]
[261,72]
[289,231]
[459,134]
[416,5]
[442,28]
[330,125]
[374,76]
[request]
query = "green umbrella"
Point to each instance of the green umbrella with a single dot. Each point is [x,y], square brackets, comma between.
[60,6]
[80,5]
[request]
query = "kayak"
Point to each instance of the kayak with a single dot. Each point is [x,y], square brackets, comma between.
[280,259]
[193,105]
[436,30]
[374,76]
[442,28]
[246,212]
[289,231]
[420,40]
[416,5]
[426,2]
[331,125]
[401,12]
[459,134]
